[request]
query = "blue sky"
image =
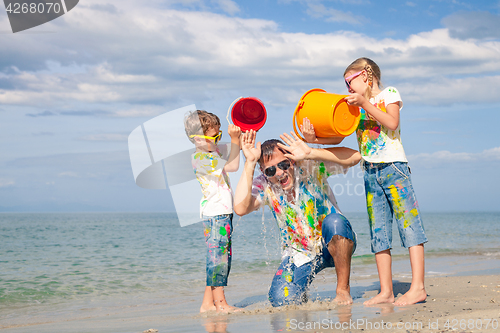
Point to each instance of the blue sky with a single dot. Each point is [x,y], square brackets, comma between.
[72,90]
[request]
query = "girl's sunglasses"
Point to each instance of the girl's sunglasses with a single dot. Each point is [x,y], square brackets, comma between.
[271,171]
[350,78]
[214,138]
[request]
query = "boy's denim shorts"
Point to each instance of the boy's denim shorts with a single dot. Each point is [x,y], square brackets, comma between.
[218,230]
[389,193]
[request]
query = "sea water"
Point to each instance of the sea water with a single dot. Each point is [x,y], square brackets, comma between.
[69,265]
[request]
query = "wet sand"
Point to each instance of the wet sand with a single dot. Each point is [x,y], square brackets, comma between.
[454,304]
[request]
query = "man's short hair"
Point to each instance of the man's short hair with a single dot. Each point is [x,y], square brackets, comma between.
[199,122]
[267,150]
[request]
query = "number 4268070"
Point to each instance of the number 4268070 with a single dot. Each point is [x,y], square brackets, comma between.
[33,8]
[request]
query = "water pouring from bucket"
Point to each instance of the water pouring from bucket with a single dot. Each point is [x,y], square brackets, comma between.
[248,113]
[329,113]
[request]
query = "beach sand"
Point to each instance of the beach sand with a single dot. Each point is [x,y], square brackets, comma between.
[454,304]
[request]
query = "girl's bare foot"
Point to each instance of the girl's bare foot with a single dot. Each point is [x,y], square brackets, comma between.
[206,308]
[381,298]
[228,309]
[412,297]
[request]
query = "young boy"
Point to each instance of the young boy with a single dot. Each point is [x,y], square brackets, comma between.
[211,164]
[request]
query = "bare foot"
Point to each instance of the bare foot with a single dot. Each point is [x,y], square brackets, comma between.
[204,308]
[228,309]
[343,297]
[412,297]
[380,298]
[384,308]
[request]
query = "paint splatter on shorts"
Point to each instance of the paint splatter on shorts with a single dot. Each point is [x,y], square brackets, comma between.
[389,193]
[218,230]
[290,283]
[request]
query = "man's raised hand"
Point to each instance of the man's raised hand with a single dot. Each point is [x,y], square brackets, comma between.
[298,150]
[250,150]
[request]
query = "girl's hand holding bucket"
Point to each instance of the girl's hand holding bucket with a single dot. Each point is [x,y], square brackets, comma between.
[307,130]
[355,99]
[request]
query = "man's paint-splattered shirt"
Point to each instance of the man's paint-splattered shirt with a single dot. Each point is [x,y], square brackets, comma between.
[300,221]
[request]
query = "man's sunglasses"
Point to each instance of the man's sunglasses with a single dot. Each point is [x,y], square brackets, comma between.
[350,78]
[271,171]
[214,138]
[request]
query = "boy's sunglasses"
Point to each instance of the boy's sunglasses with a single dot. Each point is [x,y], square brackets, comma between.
[350,78]
[214,138]
[271,171]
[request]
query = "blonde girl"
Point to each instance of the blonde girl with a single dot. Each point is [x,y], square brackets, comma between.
[388,187]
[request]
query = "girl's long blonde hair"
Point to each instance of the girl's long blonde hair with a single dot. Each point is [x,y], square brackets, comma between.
[371,69]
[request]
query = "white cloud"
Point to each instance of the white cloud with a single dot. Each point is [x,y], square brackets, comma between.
[105,137]
[317,9]
[228,6]
[447,158]
[138,55]
[6,182]
[71,174]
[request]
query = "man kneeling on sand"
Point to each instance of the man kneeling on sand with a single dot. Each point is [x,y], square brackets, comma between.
[314,233]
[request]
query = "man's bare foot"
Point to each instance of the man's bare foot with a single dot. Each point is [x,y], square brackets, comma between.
[412,297]
[380,298]
[206,308]
[343,297]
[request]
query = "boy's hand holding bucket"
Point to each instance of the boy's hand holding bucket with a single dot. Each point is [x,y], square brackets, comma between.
[234,132]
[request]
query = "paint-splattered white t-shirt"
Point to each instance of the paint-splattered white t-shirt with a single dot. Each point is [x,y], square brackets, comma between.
[215,186]
[377,143]
[300,222]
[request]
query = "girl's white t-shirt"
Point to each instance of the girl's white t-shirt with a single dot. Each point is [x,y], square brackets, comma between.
[377,143]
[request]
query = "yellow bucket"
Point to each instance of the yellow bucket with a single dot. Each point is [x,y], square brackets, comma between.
[329,113]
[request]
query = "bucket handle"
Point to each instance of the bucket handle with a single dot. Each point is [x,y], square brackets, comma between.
[231,107]
[299,106]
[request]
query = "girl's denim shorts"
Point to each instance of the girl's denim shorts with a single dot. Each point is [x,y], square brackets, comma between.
[389,192]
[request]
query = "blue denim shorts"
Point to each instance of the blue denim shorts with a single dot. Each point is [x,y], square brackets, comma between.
[218,230]
[389,193]
[290,283]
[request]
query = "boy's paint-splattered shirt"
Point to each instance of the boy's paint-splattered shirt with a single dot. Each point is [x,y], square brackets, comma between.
[215,186]
[300,222]
[377,143]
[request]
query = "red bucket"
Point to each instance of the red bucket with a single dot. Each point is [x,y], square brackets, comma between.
[248,113]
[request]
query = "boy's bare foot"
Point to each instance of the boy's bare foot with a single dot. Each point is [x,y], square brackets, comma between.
[204,308]
[343,297]
[412,297]
[380,298]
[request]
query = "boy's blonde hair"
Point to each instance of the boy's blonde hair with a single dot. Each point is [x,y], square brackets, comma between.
[372,70]
[199,122]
